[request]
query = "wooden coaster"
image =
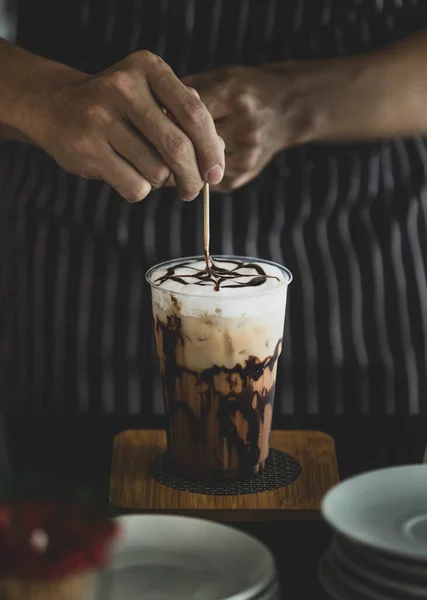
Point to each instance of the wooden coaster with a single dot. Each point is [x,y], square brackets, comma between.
[133,488]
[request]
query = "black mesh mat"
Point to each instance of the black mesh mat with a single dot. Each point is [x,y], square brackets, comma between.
[280,469]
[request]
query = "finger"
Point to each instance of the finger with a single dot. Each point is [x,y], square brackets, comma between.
[129,143]
[233,182]
[215,104]
[233,135]
[189,80]
[170,183]
[171,142]
[193,91]
[243,162]
[194,119]
[123,177]
[190,89]
[226,131]
[212,92]
[175,148]
[221,141]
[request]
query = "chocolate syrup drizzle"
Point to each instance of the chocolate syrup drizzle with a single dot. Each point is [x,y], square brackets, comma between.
[215,275]
[225,404]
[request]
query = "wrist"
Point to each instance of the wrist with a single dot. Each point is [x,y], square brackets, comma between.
[318,98]
[33,93]
[45,95]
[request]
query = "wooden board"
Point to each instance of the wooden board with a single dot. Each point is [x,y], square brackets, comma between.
[132,487]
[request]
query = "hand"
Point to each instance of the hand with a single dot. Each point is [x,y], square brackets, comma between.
[115,126]
[257,114]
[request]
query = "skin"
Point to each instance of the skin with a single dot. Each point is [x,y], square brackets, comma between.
[138,127]
[259,111]
[132,125]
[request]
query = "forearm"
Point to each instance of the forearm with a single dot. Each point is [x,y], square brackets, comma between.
[25,96]
[372,96]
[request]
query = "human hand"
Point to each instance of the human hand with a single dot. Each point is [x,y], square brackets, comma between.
[257,112]
[115,126]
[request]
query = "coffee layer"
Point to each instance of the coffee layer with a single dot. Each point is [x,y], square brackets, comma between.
[204,341]
[219,417]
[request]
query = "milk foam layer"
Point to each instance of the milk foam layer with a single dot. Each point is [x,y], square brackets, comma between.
[228,302]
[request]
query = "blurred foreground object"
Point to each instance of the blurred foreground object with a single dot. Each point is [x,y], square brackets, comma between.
[50,546]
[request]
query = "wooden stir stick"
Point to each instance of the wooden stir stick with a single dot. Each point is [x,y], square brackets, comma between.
[206,223]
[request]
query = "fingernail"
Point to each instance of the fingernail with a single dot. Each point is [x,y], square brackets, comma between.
[191,198]
[215,175]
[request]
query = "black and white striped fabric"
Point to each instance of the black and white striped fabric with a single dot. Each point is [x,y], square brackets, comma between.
[350,221]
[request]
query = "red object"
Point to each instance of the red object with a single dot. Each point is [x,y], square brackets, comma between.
[48,540]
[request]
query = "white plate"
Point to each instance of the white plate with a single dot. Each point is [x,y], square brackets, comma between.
[390,586]
[385,509]
[164,557]
[389,566]
[334,588]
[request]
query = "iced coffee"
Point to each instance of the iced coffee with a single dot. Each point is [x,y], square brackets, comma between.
[219,337]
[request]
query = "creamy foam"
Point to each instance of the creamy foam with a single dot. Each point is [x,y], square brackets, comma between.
[235,298]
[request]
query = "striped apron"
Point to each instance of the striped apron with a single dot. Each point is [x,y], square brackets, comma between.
[350,222]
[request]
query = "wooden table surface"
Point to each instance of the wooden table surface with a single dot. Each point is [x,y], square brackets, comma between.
[133,488]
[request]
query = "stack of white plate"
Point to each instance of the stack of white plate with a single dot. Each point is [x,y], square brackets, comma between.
[162,557]
[380,547]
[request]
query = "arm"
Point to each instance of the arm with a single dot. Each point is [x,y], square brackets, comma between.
[25,103]
[371,96]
